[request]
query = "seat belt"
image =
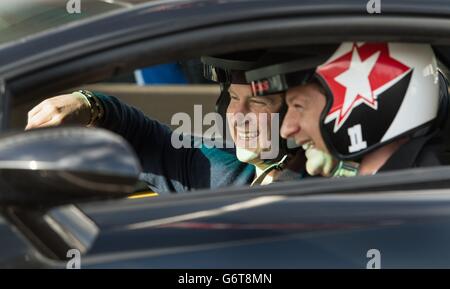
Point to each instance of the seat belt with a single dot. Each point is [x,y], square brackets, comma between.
[276,166]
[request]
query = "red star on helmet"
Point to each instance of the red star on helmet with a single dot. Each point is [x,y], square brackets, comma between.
[357,76]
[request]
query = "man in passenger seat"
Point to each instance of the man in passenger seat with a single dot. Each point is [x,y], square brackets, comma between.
[361,108]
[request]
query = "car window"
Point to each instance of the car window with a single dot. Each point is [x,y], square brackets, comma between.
[161,92]
[177,95]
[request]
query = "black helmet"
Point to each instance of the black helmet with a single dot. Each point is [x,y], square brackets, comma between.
[229,69]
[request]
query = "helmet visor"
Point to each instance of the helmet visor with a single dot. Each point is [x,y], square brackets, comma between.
[222,75]
[281,82]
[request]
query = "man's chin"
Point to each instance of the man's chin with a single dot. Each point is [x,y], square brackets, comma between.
[246,156]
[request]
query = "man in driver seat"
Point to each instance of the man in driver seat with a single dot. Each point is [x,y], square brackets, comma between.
[166,168]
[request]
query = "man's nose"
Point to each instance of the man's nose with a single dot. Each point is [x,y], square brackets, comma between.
[290,125]
[241,107]
[239,112]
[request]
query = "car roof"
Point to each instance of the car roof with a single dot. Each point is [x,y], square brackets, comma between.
[165,17]
[22,18]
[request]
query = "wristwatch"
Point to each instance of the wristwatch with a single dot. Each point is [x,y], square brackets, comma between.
[95,106]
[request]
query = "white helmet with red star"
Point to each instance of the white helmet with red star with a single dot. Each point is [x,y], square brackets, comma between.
[376,92]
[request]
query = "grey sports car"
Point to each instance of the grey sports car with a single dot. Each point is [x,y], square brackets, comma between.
[65,192]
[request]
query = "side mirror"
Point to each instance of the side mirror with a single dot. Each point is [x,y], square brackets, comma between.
[48,167]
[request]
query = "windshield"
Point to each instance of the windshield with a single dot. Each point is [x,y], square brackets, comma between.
[22,18]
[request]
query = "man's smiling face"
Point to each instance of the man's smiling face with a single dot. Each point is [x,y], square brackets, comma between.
[250,121]
[305,105]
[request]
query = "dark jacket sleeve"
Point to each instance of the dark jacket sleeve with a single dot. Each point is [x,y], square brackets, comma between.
[165,168]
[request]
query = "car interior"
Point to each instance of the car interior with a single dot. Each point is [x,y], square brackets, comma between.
[161,100]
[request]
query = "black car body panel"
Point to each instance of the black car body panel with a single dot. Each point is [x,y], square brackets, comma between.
[298,232]
[409,230]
